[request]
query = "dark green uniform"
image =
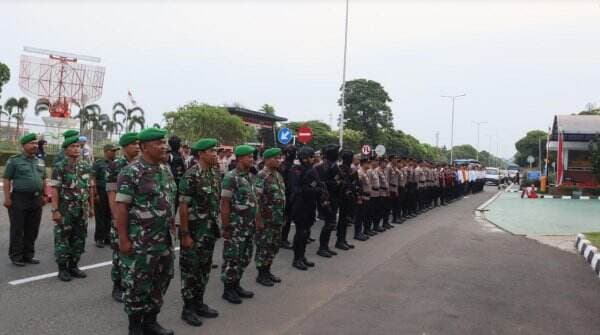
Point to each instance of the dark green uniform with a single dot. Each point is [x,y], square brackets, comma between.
[102,218]
[149,190]
[112,171]
[270,189]
[200,189]
[73,182]
[238,245]
[26,174]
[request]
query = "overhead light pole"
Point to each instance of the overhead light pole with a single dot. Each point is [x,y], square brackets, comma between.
[453,97]
[478,125]
[344,79]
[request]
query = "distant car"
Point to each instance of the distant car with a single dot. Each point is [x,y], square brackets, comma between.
[492,176]
[512,171]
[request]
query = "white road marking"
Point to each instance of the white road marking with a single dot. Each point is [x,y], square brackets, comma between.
[54,274]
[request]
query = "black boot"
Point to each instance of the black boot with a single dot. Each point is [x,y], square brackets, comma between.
[117,292]
[63,273]
[307,262]
[263,278]
[241,292]
[189,314]
[324,253]
[341,246]
[333,253]
[273,277]
[75,272]
[299,264]
[286,245]
[231,295]
[348,244]
[135,325]
[152,327]
[203,310]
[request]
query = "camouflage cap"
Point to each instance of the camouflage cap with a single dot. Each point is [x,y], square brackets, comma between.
[151,134]
[27,138]
[205,144]
[128,138]
[70,133]
[272,152]
[110,147]
[243,150]
[70,140]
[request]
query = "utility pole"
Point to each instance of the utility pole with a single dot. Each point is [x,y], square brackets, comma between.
[437,139]
[478,125]
[453,97]
[344,79]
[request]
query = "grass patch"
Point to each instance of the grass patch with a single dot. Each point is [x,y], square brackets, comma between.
[594,238]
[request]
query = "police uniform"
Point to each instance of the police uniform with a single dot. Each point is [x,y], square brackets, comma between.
[103,214]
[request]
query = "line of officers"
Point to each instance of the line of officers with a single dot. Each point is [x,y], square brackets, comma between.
[251,206]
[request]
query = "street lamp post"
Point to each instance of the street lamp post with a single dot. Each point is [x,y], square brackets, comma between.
[344,79]
[453,97]
[478,125]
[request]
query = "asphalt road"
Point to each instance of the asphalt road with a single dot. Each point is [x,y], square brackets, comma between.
[442,273]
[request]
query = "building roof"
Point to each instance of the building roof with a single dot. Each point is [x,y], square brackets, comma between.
[250,113]
[579,128]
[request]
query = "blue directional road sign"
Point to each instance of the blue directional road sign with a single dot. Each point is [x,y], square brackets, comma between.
[284,136]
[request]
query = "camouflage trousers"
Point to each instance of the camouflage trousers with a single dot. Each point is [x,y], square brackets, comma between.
[267,244]
[195,264]
[237,254]
[69,239]
[115,271]
[146,278]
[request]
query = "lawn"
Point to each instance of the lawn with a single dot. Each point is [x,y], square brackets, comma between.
[594,238]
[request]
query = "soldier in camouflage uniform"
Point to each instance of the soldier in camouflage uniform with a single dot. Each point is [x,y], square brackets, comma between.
[61,154]
[200,192]
[131,149]
[239,215]
[270,189]
[146,222]
[72,183]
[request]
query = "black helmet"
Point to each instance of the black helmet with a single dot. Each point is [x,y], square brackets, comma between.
[331,152]
[305,152]
[347,156]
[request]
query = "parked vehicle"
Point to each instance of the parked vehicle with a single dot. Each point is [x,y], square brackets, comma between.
[492,176]
[512,171]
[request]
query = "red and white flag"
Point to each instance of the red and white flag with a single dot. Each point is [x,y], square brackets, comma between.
[133,102]
[560,167]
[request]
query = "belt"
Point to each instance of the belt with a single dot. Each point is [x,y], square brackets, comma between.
[31,194]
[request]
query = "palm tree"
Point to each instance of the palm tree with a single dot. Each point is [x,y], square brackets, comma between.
[136,120]
[89,116]
[41,105]
[128,115]
[109,125]
[22,104]
[155,125]
[2,112]
[9,106]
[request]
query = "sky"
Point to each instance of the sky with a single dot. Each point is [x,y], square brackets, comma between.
[518,62]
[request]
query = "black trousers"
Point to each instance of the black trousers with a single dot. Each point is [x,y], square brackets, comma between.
[25,215]
[285,231]
[103,216]
[329,215]
[347,212]
[300,238]
[362,218]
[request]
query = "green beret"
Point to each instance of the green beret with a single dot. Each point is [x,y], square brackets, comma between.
[270,153]
[28,138]
[128,138]
[151,134]
[70,133]
[243,150]
[110,147]
[205,144]
[70,140]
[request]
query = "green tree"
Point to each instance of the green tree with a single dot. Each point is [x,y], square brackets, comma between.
[16,110]
[133,115]
[595,154]
[322,134]
[4,75]
[267,109]
[136,121]
[194,121]
[89,117]
[464,151]
[366,107]
[529,146]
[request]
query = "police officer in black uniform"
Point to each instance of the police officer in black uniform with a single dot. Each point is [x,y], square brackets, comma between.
[176,163]
[330,175]
[285,169]
[349,191]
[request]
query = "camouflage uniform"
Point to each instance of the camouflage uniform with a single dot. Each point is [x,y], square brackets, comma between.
[237,246]
[112,172]
[270,189]
[149,190]
[73,182]
[200,189]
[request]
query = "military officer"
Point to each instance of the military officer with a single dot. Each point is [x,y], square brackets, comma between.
[200,193]
[270,189]
[24,185]
[130,150]
[102,233]
[239,217]
[72,193]
[61,153]
[145,216]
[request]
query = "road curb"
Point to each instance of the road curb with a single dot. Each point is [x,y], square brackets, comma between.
[589,252]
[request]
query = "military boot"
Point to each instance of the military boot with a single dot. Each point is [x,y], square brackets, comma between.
[299,264]
[341,246]
[324,253]
[135,325]
[151,326]
[241,292]
[63,273]
[263,278]
[273,277]
[203,310]
[75,272]
[117,292]
[189,314]
[231,295]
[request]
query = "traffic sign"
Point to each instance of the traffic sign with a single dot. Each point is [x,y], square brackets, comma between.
[366,150]
[530,159]
[284,135]
[305,135]
[380,150]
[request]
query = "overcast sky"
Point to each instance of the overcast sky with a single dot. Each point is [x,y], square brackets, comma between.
[519,62]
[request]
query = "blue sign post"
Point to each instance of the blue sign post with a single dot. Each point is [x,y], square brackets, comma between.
[284,136]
